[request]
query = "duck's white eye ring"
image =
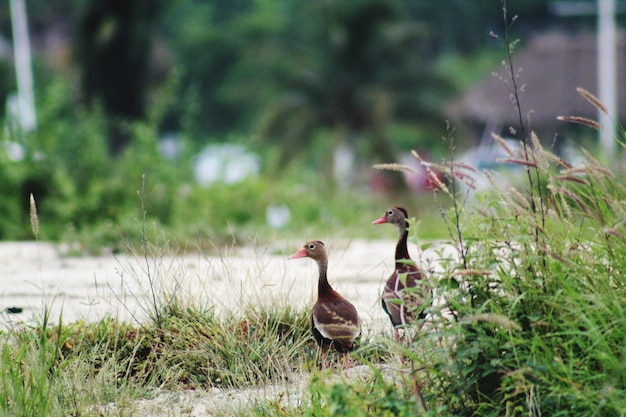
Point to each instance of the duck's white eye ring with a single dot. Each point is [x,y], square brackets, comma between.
[311,246]
[389,212]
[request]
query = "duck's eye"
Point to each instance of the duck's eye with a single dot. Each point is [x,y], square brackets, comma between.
[311,246]
[389,212]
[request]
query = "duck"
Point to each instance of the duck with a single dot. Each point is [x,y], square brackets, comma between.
[334,320]
[401,306]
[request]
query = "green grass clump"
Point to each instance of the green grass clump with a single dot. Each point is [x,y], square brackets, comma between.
[28,366]
[190,350]
[371,396]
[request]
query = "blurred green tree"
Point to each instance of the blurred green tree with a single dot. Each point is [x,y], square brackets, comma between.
[349,68]
[113,42]
[205,44]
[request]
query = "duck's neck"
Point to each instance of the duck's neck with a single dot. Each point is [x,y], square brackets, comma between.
[401,247]
[323,287]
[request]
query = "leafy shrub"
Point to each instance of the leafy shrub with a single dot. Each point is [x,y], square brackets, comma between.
[377,398]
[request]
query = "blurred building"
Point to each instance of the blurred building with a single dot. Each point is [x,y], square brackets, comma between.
[547,72]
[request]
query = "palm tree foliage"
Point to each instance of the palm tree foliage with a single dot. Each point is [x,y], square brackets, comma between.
[350,69]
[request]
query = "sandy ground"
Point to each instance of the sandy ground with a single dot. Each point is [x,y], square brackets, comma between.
[36,278]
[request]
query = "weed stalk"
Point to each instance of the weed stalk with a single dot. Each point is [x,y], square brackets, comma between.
[144,244]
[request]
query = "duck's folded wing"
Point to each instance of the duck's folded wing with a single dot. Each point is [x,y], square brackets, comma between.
[336,320]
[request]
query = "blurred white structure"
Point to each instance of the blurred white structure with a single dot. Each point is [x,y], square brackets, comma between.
[24,109]
[225,162]
[277,216]
[607,76]
[606,63]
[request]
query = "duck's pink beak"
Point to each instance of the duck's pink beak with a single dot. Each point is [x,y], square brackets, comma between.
[382,220]
[300,254]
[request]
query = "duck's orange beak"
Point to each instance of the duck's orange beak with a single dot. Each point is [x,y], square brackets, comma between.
[300,254]
[382,220]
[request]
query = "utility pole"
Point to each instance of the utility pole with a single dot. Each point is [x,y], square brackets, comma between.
[26,115]
[607,78]
[606,63]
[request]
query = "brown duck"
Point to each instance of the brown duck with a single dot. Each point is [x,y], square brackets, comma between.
[334,322]
[401,306]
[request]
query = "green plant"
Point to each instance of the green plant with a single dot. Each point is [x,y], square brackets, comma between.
[532,318]
[30,365]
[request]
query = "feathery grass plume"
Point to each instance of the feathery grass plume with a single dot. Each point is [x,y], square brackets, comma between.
[572,179]
[482,212]
[582,121]
[569,194]
[576,170]
[395,167]
[567,210]
[467,179]
[434,178]
[440,184]
[497,319]
[550,157]
[515,202]
[452,166]
[466,166]
[614,233]
[508,195]
[432,175]
[454,169]
[592,99]
[535,223]
[539,153]
[555,255]
[518,162]
[34,219]
[563,211]
[503,144]
[519,198]
[594,166]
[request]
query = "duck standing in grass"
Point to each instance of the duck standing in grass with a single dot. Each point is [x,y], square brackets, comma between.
[335,321]
[401,299]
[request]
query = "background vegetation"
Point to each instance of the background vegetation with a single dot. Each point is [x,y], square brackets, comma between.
[291,82]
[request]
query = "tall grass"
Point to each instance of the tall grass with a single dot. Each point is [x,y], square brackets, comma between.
[30,362]
[538,320]
[533,319]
